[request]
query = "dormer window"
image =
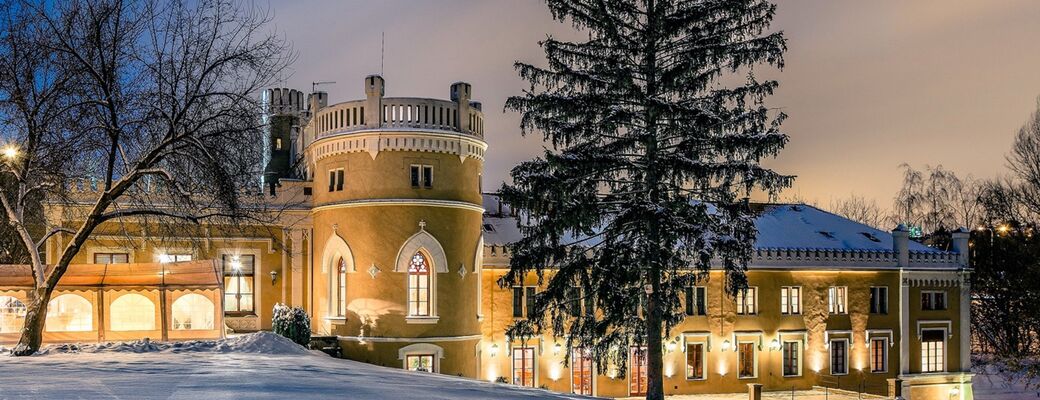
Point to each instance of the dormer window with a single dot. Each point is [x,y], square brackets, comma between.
[871,237]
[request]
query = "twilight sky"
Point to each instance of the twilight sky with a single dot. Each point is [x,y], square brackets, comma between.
[868,84]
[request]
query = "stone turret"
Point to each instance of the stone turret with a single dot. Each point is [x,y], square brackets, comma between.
[375,89]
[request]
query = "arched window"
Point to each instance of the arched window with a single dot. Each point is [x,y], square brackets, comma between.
[132,312]
[69,313]
[12,314]
[341,288]
[192,312]
[419,286]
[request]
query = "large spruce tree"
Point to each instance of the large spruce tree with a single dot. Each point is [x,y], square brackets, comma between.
[652,160]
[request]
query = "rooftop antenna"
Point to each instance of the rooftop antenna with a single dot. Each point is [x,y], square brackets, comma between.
[314,85]
[382,51]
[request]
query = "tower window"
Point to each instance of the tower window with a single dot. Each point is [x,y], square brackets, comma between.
[278,143]
[336,177]
[421,176]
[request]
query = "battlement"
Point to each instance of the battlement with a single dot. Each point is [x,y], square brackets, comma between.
[283,101]
[377,112]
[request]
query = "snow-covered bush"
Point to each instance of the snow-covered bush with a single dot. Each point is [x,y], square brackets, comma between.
[293,323]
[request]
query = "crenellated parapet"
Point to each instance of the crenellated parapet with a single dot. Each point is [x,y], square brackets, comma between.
[458,115]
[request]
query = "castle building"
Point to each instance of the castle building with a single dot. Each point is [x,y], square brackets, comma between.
[391,245]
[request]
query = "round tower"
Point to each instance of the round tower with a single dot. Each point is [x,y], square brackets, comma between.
[397,227]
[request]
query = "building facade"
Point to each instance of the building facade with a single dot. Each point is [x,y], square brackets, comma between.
[392,247]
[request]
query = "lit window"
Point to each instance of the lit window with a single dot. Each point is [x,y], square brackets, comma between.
[637,381]
[696,300]
[747,301]
[132,312]
[879,355]
[695,361]
[111,258]
[839,357]
[933,300]
[419,362]
[790,300]
[879,300]
[12,314]
[837,300]
[239,272]
[523,366]
[192,311]
[746,365]
[581,372]
[419,286]
[933,353]
[69,313]
[172,258]
[278,143]
[792,359]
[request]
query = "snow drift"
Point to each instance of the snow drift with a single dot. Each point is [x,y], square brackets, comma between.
[256,343]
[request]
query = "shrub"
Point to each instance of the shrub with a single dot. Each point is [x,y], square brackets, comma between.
[293,323]
[501,379]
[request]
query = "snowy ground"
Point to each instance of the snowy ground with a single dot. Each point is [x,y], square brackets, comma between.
[258,366]
[992,382]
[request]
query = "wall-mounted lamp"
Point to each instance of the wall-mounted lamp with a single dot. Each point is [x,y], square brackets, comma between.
[274,276]
[725,345]
[774,345]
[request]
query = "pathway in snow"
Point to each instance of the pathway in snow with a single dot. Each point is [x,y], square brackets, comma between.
[251,368]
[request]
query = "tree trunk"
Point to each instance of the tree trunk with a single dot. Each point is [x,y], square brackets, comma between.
[35,318]
[655,364]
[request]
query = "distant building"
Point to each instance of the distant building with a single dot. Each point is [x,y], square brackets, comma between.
[393,247]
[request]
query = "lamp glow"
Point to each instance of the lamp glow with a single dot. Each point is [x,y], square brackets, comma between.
[494,350]
[774,345]
[556,348]
[670,346]
[10,152]
[725,345]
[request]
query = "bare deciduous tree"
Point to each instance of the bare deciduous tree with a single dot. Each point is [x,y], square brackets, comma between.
[123,110]
[860,209]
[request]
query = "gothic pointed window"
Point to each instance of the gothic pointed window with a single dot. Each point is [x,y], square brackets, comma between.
[419,286]
[341,288]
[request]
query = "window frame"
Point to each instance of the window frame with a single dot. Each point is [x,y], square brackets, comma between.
[879,300]
[433,362]
[238,312]
[884,354]
[582,358]
[428,276]
[932,295]
[420,176]
[754,359]
[742,304]
[111,255]
[698,296]
[942,355]
[534,364]
[703,360]
[787,306]
[830,356]
[838,300]
[798,358]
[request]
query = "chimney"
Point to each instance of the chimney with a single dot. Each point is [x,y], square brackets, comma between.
[375,88]
[960,245]
[901,245]
[460,94]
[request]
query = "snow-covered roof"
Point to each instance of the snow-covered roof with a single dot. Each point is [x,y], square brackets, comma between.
[780,226]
